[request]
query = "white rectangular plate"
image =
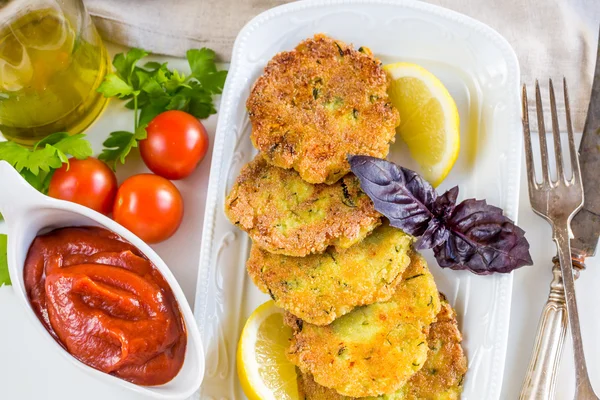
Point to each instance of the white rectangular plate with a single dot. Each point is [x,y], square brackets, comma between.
[480,70]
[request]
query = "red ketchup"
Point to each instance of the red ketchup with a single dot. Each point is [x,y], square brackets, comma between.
[106,304]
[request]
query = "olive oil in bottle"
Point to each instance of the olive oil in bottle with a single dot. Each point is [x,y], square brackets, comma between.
[51,64]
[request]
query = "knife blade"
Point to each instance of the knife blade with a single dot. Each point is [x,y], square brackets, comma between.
[586,224]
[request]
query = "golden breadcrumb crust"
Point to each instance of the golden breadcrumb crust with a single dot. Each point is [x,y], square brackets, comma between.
[283,214]
[374,349]
[440,378]
[318,103]
[322,287]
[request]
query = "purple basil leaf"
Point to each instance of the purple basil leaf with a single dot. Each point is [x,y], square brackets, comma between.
[444,205]
[436,234]
[471,235]
[400,194]
[482,240]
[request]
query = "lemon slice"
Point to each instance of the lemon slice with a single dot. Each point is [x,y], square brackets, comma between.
[429,119]
[263,368]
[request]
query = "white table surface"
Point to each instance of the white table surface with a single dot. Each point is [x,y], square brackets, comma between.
[30,371]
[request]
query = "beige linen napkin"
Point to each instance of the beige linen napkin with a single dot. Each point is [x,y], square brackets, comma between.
[552,38]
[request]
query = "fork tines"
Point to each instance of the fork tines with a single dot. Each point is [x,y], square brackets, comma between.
[546,181]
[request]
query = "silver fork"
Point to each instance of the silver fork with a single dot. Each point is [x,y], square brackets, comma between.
[558,201]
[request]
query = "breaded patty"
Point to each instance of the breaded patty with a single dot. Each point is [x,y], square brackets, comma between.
[322,287]
[374,349]
[283,214]
[318,103]
[440,378]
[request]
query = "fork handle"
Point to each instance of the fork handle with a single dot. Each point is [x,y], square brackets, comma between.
[540,379]
[583,386]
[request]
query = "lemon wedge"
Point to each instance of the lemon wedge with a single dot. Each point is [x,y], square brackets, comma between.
[263,368]
[429,119]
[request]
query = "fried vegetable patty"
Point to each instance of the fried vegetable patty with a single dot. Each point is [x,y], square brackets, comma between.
[440,378]
[318,103]
[283,214]
[374,349]
[322,287]
[442,375]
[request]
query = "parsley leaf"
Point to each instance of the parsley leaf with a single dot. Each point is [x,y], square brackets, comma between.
[52,139]
[75,145]
[152,110]
[36,165]
[14,154]
[125,63]
[204,69]
[113,86]
[200,104]
[4,277]
[201,61]
[153,89]
[44,159]
[153,65]
[119,144]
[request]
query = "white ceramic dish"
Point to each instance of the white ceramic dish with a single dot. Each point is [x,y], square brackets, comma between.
[481,71]
[27,212]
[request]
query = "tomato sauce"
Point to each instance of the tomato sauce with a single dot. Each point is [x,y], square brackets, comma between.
[106,304]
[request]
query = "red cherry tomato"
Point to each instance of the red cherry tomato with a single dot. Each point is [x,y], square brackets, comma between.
[88,182]
[176,143]
[149,206]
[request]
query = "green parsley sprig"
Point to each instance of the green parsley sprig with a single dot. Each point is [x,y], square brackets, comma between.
[155,88]
[37,164]
[4,277]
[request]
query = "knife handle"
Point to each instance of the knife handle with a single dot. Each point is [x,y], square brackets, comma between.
[540,379]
